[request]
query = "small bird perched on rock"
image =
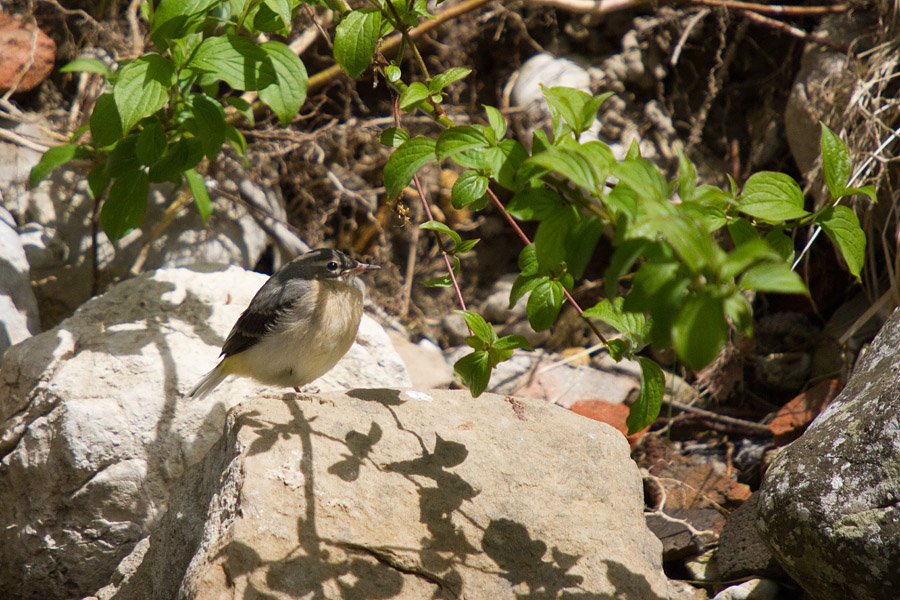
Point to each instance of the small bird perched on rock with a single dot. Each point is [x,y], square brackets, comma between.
[298,325]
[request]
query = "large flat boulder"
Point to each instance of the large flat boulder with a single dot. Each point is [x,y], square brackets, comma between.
[377,493]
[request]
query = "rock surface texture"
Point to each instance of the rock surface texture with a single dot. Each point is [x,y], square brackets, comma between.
[18,307]
[376,493]
[829,507]
[95,431]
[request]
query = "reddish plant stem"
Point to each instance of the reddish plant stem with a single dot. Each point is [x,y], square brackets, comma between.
[512,222]
[437,236]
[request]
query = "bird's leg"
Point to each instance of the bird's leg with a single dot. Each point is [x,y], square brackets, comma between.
[296,389]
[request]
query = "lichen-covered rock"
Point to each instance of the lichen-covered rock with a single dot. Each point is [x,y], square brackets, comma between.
[829,508]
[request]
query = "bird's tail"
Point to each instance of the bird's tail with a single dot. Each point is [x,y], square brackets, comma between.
[208,382]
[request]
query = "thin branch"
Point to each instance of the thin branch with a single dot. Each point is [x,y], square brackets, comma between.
[756,428]
[794,31]
[776,9]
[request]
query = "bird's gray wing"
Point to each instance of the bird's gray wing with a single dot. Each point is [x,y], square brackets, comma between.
[273,302]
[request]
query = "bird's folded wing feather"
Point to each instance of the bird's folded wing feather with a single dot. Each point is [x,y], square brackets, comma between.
[267,310]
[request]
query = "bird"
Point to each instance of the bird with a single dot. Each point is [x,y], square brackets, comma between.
[298,325]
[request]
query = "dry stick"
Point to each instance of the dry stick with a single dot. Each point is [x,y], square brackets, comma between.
[748,425]
[512,222]
[794,31]
[391,45]
[772,9]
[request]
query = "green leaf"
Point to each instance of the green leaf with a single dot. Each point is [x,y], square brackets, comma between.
[621,262]
[868,190]
[741,231]
[642,177]
[151,142]
[287,93]
[106,124]
[841,225]
[774,278]
[649,402]
[171,17]
[570,164]
[580,244]
[125,205]
[267,20]
[511,342]
[179,157]
[528,263]
[393,136]
[632,325]
[210,119]
[534,204]
[412,96]
[355,40]
[52,159]
[691,241]
[465,246]
[551,236]
[393,73]
[406,162]
[282,8]
[236,139]
[442,228]
[475,371]
[201,195]
[495,118]
[123,157]
[745,256]
[772,197]
[480,328]
[835,162]
[781,243]
[503,162]
[577,108]
[700,330]
[442,80]
[459,139]
[468,187]
[142,88]
[97,180]
[522,285]
[235,60]
[687,177]
[86,65]
[738,309]
[544,304]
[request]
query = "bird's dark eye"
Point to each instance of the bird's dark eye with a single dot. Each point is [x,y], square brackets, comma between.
[332,266]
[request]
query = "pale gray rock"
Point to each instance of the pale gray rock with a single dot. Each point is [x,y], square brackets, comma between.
[822,87]
[18,308]
[95,430]
[406,495]
[829,506]
[424,362]
[57,216]
[541,375]
[754,589]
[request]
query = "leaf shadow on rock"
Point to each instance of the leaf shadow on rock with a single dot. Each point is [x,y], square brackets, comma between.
[138,316]
[443,558]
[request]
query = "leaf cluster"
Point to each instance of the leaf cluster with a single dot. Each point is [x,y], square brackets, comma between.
[165,111]
[669,282]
